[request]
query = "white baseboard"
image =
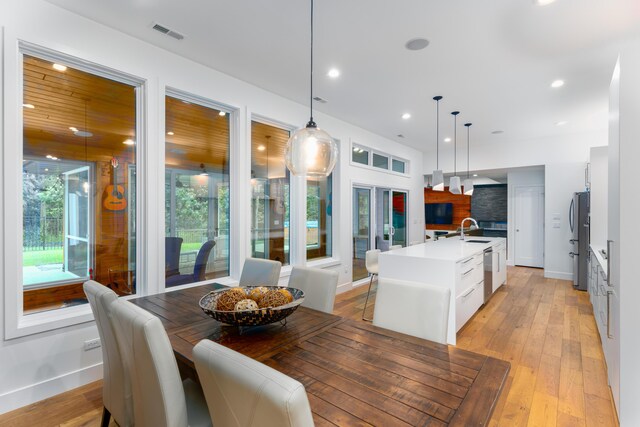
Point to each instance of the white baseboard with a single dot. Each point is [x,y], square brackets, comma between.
[343,288]
[23,396]
[558,275]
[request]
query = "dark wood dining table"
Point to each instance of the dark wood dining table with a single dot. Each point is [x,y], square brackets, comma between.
[355,374]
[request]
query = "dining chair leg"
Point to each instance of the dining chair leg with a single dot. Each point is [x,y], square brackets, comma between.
[106,417]
[367,300]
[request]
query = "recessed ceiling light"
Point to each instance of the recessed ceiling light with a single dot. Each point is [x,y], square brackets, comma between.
[542,2]
[334,73]
[49,156]
[355,149]
[406,116]
[222,113]
[447,140]
[497,132]
[73,129]
[128,142]
[261,148]
[59,67]
[170,133]
[417,44]
[83,133]
[557,83]
[475,174]
[31,106]
[46,169]
[561,123]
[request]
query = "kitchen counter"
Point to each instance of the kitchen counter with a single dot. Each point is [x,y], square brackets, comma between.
[452,263]
[596,249]
[451,249]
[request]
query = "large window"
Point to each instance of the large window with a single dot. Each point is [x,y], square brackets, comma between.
[196,191]
[269,193]
[319,215]
[78,190]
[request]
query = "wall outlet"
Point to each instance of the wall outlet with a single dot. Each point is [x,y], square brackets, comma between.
[91,344]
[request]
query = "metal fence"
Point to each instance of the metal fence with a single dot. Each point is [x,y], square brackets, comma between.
[41,233]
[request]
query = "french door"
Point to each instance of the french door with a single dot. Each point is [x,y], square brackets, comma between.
[77,221]
[391,218]
[361,230]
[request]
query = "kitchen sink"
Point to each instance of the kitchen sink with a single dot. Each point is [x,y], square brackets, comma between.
[478,241]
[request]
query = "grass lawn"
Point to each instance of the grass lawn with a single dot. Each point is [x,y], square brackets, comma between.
[48,256]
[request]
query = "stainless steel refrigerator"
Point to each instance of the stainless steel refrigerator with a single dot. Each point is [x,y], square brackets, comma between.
[579,224]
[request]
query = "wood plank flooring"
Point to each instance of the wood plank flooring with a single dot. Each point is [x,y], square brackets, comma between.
[542,326]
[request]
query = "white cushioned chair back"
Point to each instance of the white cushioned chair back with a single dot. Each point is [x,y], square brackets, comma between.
[319,287]
[371,260]
[116,388]
[158,395]
[256,272]
[242,392]
[392,247]
[412,308]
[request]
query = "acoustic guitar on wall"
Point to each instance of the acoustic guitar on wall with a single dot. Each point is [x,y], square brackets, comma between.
[114,200]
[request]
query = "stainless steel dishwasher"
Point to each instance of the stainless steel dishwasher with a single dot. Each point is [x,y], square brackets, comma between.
[488,273]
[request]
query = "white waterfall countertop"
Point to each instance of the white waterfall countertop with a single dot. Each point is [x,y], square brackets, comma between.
[451,249]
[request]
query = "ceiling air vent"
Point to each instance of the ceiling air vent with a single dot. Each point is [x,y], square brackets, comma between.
[169,32]
[320,100]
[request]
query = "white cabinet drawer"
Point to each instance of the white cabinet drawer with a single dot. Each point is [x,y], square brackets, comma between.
[468,302]
[469,276]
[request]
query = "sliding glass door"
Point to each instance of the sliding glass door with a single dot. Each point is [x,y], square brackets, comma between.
[399,218]
[361,230]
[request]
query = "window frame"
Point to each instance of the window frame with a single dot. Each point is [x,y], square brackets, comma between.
[17,324]
[203,101]
[370,165]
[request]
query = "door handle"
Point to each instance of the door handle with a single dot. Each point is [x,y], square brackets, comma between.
[609,335]
[609,242]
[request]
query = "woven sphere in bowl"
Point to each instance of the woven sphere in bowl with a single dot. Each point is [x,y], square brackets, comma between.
[229,298]
[273,298]
[243,312]
[258,292]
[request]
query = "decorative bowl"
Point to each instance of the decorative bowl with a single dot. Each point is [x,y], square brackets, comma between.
[261,316]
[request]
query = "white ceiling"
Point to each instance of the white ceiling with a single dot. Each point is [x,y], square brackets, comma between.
[493,60]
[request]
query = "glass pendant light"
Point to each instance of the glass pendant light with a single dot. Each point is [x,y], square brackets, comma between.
[454,182]
[311,151]
[437,177]
[468,183]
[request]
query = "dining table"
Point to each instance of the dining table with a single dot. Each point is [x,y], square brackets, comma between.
[355,374]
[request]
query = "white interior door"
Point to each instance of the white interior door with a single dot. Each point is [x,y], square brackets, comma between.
[529,226]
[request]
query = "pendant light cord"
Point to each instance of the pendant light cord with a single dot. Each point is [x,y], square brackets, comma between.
[455,142]
[311,122]
[468,125]
[438,134]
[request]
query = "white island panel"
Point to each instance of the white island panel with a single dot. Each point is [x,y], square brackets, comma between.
[447,263]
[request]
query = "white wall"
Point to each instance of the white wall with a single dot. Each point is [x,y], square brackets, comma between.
[522,177]
[37,366]
[599,183]
[629,234]
[561,181]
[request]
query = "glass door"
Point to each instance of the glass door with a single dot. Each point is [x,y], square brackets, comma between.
[361,230]
[77,221]
[399,218]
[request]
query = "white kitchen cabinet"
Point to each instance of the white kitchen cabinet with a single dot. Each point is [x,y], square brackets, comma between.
[452,263]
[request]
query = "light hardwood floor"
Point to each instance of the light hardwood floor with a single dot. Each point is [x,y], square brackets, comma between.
[542,326]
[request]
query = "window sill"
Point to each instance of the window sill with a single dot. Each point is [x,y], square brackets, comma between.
[36,323]
[324,262]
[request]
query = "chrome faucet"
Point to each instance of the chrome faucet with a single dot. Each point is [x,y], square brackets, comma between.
[462,226]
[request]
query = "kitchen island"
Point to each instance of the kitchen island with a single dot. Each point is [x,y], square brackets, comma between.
[455,264]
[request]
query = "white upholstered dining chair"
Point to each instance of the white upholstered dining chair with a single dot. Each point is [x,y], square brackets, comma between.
[257,272]
[242,392]
[160,397]
[413,308]
[371,263]
[319,287]
[116,389]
